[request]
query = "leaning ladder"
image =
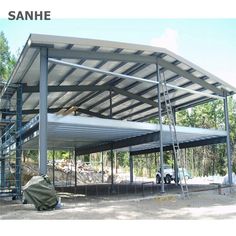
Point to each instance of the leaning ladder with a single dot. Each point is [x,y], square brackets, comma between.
[175,142]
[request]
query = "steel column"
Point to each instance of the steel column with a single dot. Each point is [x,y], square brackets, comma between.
[112,174]
[2,156]
[2,173]
[43,105]
[175,161]
[75,169]
[111,151]
[53,167]
[175,168]
[131,168]
[18,139]
[227,128]
[160,123]
[102,168]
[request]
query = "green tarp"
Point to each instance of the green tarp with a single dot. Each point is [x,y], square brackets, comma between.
[40,192]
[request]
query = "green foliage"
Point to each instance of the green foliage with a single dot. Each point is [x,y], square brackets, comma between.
[232,119]
[123,158]
[210,159]
[59,155]
[209,115]
[31,155]
[7,61]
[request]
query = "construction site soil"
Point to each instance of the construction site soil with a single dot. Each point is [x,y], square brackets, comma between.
[202,204]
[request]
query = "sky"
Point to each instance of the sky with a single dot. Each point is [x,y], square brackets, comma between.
[209,43]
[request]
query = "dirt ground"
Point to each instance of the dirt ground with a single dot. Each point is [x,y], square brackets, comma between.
[203,205]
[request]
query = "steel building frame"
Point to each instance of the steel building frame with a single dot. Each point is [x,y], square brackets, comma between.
[89,75]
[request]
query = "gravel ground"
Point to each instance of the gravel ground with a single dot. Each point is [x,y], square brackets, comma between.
[203,205]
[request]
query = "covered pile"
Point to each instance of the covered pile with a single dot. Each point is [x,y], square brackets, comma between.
[40,192]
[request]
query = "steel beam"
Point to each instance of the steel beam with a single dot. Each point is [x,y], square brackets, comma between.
[67,88]
[189,76]
[227,128]
[138,94]
[147,138]
[54,110]
[133,69]
[178,108]
[43,106]
[75,54]
[60,62]
[145,91]
[158,77]
[50,69]
[196,102]
[91,113]
[183,145]
[152,99]
[134,96]
[36,111]
[91,94]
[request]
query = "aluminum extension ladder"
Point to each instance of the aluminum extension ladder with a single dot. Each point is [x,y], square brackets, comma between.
[174,139]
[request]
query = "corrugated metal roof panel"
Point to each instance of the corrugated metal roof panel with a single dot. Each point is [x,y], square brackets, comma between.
[27,71]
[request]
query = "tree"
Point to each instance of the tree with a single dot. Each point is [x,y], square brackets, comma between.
[7,61]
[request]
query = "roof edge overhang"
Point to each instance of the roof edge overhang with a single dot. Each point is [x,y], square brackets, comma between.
[42,40]
[46,40]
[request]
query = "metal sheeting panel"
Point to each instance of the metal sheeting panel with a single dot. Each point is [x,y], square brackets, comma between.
[75,131]
[128,59]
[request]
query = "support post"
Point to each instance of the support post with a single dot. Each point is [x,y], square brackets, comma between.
[112,173]
[18,140]
[3,162]
[175,161]
[102,168]
[111,151]
[43,93]
[75,160]
[131,168]
[227,128]
[2,173]
[53,167]
[160,124]
[174,114]
[175,168]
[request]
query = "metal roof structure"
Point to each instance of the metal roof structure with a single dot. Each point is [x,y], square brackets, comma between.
[116,86]
[88,91]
